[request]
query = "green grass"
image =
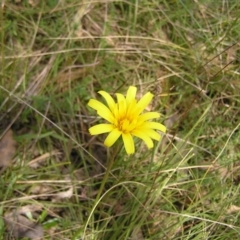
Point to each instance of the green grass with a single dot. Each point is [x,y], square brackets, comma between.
[56,56]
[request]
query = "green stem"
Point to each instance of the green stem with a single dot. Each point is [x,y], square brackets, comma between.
[100,191]
[109,167]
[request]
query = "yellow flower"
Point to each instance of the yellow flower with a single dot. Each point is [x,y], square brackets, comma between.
[125,118]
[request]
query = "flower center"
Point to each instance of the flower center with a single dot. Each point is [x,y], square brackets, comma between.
[123,125]
[126,125]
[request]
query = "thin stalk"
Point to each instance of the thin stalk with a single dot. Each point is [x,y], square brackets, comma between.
[108,169]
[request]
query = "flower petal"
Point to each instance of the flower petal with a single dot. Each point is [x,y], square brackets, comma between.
[102,110]
[131,108]
[144,101]
[144,137]
[131,94]
[150,133]
[153,134]
[101,128]
[116,114]
[128,143]
[112,137]
[148,115]
[108,99]
[154,125]
[120,97]
[122,108]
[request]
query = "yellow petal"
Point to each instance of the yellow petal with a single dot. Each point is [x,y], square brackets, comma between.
[131,94]
[102,110]
[108,98]
[128,143]
[150,133]
[112,137]
[101,128]
[131,126]
[131,108]
[154,125]
[144,137]
[153,134]
[122,108]
[144,101]
[120,97]
[149,115]
[116,113]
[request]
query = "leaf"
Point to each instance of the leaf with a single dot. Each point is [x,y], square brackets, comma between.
[41,160]
[21,227]
[233,209]
[137,234]
[7,150]
[33,3]
[65,194]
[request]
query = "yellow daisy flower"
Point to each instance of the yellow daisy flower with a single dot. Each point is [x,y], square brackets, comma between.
[125,118]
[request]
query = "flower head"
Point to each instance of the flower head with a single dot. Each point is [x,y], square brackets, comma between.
[126,118]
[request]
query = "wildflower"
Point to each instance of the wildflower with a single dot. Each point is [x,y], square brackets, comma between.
[126,118]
